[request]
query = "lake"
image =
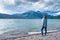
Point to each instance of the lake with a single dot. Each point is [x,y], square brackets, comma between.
[26,25]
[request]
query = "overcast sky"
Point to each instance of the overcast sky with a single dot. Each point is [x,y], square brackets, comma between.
[19,6]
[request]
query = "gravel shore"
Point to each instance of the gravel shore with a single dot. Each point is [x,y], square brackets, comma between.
[49,36]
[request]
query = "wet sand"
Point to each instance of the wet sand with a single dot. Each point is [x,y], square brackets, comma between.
[50,36]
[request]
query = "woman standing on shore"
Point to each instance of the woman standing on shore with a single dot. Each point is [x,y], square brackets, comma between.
[44,24]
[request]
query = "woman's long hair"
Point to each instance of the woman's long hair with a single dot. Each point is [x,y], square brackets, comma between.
[45,17]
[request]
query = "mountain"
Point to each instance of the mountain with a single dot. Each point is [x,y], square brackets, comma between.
[32,14]
[26,15]
[57,17]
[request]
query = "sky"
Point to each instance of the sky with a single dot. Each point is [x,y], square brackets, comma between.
[20,6]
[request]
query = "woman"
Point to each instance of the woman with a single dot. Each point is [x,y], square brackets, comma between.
[44,24]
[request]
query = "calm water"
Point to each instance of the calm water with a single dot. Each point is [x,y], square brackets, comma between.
[25,25]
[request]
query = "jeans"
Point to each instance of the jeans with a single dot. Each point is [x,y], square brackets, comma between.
[43,27]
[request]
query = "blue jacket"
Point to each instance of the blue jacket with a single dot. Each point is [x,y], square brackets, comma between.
[44,22]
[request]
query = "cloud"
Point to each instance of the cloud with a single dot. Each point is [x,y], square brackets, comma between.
[38,6]
[3,3]
[55,14]
[18,6]
[33,0]
[10,2]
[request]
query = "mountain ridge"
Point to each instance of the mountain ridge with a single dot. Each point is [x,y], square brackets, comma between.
[27,15]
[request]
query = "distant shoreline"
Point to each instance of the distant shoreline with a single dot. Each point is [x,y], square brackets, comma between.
[27,18]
